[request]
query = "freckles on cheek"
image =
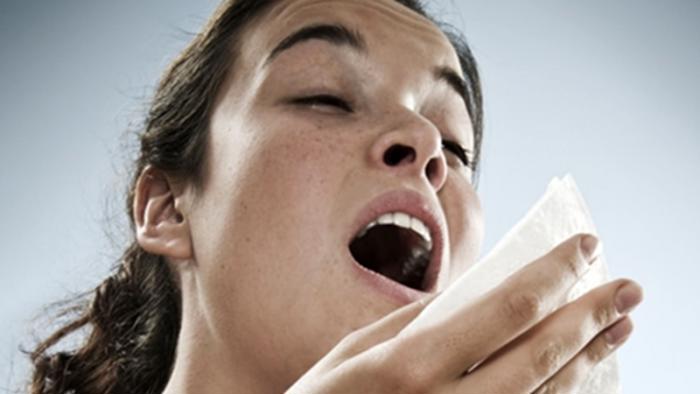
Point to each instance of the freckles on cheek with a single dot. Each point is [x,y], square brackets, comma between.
[307,158]
[296,173]
[302,160]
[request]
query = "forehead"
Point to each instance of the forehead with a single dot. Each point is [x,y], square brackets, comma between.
[382,23]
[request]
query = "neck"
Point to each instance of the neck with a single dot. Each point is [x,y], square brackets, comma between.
[204,364]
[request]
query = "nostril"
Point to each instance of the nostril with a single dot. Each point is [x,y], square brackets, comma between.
[435,172]
[398,153]
[431,170]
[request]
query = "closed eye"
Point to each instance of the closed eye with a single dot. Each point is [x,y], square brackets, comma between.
[458,151]
[324,100]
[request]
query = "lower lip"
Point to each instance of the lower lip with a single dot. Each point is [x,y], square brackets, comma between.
[395,291]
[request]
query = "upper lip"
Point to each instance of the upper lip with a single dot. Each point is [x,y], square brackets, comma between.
[414,204]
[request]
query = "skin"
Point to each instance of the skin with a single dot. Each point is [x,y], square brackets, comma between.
[260,250]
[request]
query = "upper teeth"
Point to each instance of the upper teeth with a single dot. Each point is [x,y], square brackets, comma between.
[404,220]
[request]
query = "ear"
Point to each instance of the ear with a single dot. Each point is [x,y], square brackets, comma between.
[160,227]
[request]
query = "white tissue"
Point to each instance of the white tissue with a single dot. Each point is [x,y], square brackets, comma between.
[559,214]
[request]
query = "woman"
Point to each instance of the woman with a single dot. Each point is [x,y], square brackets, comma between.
[305,185]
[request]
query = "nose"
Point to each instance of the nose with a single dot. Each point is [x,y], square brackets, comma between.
[413,147]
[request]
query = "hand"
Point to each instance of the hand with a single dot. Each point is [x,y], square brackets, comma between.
[521,337]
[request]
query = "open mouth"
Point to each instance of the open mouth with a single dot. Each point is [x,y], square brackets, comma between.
[397,246]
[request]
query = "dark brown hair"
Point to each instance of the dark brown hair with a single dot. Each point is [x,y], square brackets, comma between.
[131,320]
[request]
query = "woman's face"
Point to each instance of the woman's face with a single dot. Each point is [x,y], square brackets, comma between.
[314,137]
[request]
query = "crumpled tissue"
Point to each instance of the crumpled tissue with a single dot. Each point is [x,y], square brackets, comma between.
[559,214]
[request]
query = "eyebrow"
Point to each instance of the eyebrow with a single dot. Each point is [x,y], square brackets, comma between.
[333,33]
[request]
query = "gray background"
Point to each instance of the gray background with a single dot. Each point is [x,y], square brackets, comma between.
[606,90]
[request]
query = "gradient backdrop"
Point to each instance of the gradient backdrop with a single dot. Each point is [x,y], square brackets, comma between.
[607,90]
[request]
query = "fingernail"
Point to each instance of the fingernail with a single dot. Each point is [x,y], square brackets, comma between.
[617,334]
[589,247]
[627,297]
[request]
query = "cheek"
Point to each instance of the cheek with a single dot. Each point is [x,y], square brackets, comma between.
[273,247]
[287,186]
[270,208]
[466,225]
[295,177]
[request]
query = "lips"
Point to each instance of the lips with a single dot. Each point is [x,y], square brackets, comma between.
[397,244]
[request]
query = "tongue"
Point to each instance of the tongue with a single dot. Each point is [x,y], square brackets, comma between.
[397,253]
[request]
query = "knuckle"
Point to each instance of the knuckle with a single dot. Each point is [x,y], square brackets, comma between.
[548,358]
[596,352]
[402,373]
[522,307]
[403,380]
[571,259]
[603,315]
[572,264]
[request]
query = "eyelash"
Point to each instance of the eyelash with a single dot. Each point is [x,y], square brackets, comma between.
[458,151]
[325,100]
[337,102]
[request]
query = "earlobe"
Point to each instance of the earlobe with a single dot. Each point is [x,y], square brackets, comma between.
[160,227]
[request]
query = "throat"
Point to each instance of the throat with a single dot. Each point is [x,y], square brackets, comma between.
[394,252]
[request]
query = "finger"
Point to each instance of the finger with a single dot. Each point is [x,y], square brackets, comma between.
[379,331]
[570,378]
[478,329]
[544,350]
